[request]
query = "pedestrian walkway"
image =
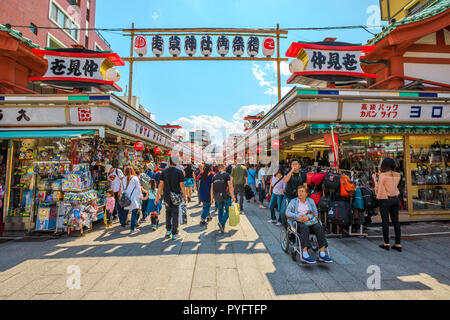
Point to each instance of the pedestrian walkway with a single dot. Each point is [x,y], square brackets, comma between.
[245,263]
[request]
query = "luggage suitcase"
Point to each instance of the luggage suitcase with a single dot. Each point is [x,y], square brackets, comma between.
[340,213]
[234,215]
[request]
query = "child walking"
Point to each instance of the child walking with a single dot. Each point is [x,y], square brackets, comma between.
[153,209]
[110,206]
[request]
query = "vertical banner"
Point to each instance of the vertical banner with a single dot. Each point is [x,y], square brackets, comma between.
[275,153]
[262,146]
[252,143]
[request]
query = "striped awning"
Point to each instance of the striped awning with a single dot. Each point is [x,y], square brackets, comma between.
[375,128]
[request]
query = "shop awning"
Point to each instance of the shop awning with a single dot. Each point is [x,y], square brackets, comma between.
[373,128]
[11,134]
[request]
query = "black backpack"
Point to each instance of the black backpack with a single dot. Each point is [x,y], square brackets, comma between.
[369,198]
[332,182]
[324,203]
[340,213]
[220,189]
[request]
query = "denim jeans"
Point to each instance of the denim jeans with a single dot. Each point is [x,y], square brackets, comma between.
[253,187]
[223,216]
[172,213]
[275,199]
[205,212]
[144,208]
[239,189]
[122,215]
[134,213]
[262,192]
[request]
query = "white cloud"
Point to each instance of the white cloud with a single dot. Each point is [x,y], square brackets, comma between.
[259,75]
[155,15]
[274,90]
[218,128]
[284,68]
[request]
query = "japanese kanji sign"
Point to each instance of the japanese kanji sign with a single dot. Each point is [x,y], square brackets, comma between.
[82,68]
[329,62]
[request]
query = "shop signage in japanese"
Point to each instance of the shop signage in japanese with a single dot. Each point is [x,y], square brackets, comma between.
[398,112]
[23,116]
[75,68]
[329,63]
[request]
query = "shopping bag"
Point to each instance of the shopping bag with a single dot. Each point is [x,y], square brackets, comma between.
[234,214]
[182,213]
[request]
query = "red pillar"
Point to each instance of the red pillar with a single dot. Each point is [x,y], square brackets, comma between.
[396,69]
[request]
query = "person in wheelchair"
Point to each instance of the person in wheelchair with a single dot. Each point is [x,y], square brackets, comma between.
[302,211]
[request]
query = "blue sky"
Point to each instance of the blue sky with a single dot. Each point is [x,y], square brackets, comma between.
[215,95]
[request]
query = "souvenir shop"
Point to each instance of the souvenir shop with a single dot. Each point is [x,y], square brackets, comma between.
[367,126]
[53,168]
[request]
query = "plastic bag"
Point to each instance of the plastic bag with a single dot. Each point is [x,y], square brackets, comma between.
[234,215]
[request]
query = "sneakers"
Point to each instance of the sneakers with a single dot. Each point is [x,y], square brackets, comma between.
[325,259]
[208,218]
[222,230]
[153,227]
[168,234]
[279,224]
[272,221]
[262,206]
[202,222]
[176,236]
[308,260]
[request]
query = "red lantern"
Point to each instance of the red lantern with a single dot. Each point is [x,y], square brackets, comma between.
[138,146]
[169,153]
[276,144]
[157,150]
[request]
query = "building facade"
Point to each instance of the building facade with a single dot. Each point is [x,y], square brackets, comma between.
[57,14]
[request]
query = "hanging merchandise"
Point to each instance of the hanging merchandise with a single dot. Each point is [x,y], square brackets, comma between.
[206,45]
[238,46]
[175,45]
[190,45]
[252,46]
[158,45]
[268,47]
[223,45]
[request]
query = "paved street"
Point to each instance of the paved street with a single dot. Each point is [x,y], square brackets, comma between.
[245,263]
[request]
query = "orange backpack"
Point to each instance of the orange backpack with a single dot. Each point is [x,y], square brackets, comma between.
[347,187]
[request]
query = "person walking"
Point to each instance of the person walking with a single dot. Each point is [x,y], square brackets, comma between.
[132,188]
[386,189]
[221,193]
[239,180]
[252,180]
[198,174]
[276,192]
[261,185]
[204,193]
[171,187]
[189,181]
[152,208]
[115,177]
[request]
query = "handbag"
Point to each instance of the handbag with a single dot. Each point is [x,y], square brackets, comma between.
[176,198]
[124,200]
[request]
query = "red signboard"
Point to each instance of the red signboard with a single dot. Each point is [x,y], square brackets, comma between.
[84,114]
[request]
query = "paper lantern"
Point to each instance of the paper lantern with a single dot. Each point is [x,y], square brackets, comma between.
[238,46]
[175,45]
[276,144]
[140,46]
[268,47]
[223,45]
[206,45]
[158,45]
[157,150]
[296,65]
[190,45]
[169,153]
[252,46]
[138,146]
[112,74]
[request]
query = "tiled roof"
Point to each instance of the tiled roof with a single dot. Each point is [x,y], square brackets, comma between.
[434,9]
[18,35]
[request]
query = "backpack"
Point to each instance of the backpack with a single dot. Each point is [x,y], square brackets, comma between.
[358,202]
[369,198]
[332,182]
[248,192]
[324,204]
[340,213]
[309,177]
[347,187]
[316,197]
[220,190]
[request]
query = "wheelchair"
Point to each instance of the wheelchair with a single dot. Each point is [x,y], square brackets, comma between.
[290,240]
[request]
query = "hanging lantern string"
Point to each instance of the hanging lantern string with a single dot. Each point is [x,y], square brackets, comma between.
[203,34]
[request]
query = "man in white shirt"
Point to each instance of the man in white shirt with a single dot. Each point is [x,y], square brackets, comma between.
[115,177]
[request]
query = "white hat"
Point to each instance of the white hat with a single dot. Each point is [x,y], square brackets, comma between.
[107,168]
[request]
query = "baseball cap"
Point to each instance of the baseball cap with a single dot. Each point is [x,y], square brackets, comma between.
[108,167]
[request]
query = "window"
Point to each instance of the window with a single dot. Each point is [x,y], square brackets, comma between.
[58,16]
[33,28]
[52,42]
